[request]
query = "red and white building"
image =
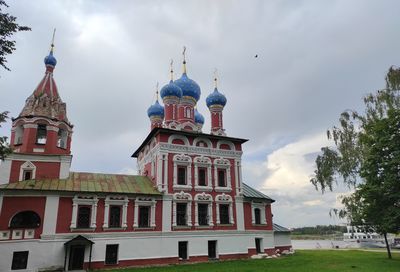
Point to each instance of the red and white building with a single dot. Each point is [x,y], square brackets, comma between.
[187,203]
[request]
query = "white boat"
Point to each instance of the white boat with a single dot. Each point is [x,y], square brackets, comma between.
[365,237]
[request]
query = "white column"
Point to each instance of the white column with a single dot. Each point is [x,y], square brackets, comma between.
[159,172]
[239,213]
[217,213]
[231,218]
[175,174]
[174,214]
[165,181]
[50,214]
[236,163]
[240,178]
[153,214]
[228,177]
[74,215]
[166,213]
[196,214]
[209,176]
[189,213]
[106,214]
[263,217]
[189,175]
[94,214]
[210,214]
[196,175]
[136,215]
[253,215]
[215,176]
[5,170]
[124,213]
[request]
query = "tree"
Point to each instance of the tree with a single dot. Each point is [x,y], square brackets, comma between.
[366,157]
[8,27]
[4,147]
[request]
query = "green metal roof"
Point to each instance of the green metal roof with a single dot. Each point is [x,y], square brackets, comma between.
[89,182]
[279,228]
[253,193]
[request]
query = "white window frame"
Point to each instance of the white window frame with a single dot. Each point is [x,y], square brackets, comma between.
[182,197]
[223,164]
[27,166]
[145,201]
[203,198]
[261,206]
[224,199]
[116,201]
[202,162]
[185,161]
[81,200]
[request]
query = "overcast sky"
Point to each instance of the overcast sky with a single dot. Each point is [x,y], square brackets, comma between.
[315,59]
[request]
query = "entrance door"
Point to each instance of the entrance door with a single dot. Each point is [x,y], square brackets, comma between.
[76,257]
[258,245]
[212,249]
[182,250]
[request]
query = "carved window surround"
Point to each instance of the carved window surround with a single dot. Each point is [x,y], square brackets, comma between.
[202,162]
[88,201]
[27,166]
[182,197]
[203,198]
[145,201]
[186,161]
[261,206]
[224,199]
[116,201]
[224,164]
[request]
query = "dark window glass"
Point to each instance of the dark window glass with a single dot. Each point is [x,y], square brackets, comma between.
[212,249]
[27,174]
[25,219]
[111,254]
[224,213]
[62,136]
[83,217]
[144,212]
[181,214]
[182,250]
[258,245]
[115,217]
[182,175]
[20,260]
[202,177]
[41,134]
[203,214]
[221,178]
[257,215]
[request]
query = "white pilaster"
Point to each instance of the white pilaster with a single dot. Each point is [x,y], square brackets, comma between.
[94,215]
[239,213]
[50,215]
[74,215]
[5,170]
[153,214]
[136,215]
[166,214]
[106,214]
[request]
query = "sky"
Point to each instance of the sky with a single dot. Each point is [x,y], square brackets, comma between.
[314,60]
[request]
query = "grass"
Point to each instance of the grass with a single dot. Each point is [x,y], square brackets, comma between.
[301,261]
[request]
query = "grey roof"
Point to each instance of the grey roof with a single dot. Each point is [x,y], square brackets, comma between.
[279,228]
[253,193]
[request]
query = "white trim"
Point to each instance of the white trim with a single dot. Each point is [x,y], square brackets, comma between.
[261,207]
[65,166]
[182,197]
[224,199]
[239,213]
[50,214]
[145,201]
[186,161]
[84,200]
[221,163]
[221,142]
[166,213]
[38,150]
[27,166]
[203,198]
[202,139]
[205,162]
[178,137]
[115,201]
[5,170]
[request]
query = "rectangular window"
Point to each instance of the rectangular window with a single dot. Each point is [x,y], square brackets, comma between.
[257,216]
[221,178]
[111,254]
[83,221]
[212,249]
[203,214]
[27,174]
[181,214]
[115,217]
[144,216]
[224,213]
[20,260]
[183,250]
[41,134]
[182,175]
[202,177]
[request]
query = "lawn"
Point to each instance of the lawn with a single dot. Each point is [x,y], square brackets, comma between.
[302,260]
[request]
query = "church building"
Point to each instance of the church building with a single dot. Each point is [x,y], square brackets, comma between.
[188,202]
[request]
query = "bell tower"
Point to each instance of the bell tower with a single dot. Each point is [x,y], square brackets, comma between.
[41,134]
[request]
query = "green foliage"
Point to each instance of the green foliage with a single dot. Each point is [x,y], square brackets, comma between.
[319,230]
[4,147]
[366,155]
[8,27]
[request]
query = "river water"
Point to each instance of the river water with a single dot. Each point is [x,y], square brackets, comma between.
[318,244]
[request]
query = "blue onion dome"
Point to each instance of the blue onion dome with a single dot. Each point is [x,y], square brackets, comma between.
[198,117]
[50,59]
[216,98]
[155,110]
[189,87]
[171,89]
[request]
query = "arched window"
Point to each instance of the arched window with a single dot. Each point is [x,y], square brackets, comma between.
[19,133]
[62,137]
[41,134]
[257,216]
[25,220]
